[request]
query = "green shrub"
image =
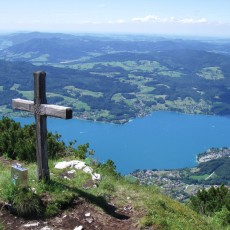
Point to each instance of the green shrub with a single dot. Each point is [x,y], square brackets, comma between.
[108,187]
[108,168]
[18,142]
[51,210]
[25,203]
[208,202]
[59,203]
[222,217]
[82,151]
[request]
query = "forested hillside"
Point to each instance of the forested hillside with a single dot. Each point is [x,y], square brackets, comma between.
[114,79]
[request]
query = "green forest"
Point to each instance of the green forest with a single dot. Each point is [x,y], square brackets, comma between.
[115,79]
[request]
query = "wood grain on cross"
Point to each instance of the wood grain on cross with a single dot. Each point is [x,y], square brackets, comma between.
[41,110]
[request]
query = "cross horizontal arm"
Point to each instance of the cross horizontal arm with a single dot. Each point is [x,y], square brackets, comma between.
[21,104]
[57,111]
[44,109]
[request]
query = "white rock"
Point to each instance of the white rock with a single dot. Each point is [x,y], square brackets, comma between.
[96,176]
[87,214]
[71,171]
[31,225]
[89,220]
[78,228]
[88,169]
[46,228]
[62,165]
[74,162]
[67,178]
[33,190]
[80,165]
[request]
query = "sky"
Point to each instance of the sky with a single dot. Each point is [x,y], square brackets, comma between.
[169,17]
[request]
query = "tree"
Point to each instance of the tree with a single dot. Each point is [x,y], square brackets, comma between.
[210,201]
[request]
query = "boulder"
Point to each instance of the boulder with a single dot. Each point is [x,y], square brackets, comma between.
[62,165]
[88,169]
[96,176]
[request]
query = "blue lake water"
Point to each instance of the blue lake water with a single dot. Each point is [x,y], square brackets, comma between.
[163,140]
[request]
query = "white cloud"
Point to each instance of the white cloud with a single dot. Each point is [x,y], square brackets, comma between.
[120,21]
[148,18]
[192,21]
[155,19]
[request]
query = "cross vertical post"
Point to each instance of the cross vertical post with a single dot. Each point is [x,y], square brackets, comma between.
[41,126]
[41,110]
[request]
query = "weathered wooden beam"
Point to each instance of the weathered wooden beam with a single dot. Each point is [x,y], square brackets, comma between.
[44,109]
[41,126]
[57,111]
[21,104]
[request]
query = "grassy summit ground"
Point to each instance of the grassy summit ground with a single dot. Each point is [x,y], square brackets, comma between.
[114,203]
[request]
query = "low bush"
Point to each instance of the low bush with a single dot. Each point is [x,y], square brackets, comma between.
[23,202]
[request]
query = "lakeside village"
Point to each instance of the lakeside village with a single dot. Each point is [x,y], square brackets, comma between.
[179,183]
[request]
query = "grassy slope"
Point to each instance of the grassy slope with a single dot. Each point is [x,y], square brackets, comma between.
[154,208]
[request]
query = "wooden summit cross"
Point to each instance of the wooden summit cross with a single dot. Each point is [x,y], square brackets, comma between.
[41,110]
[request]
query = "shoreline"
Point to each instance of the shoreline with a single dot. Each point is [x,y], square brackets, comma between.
[117,122]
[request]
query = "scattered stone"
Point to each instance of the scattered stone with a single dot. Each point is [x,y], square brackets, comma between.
[58,220]
[33,190]
[89,184]
[96,176]
[89,220]
[75,162]
[78,227]
[80,165]
[127,208]
[71,171]
[62,165]
[87,214]
[88,169]
[29,225]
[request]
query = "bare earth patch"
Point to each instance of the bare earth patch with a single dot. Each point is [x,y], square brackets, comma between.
[82,213]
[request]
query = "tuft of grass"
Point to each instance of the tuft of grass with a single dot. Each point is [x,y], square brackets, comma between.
[23,202]
[1,225]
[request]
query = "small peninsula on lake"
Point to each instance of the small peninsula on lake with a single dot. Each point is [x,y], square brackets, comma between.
[213,169]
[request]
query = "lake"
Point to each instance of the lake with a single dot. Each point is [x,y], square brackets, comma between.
[162,140]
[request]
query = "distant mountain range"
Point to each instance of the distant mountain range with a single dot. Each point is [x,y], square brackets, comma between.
[116,78]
